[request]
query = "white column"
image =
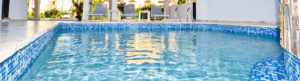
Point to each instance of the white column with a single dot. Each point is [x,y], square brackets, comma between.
[18,9]
[36,9]
[166,7]
[113,7]
[91,9]
[85,10]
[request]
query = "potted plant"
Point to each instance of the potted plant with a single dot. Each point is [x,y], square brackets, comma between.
[121,8]
[78,4]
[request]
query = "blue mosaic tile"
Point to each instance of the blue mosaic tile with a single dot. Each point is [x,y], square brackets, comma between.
[292,66]
[252,30]
[270,69]
[286,67]
[263,31]
[16,65]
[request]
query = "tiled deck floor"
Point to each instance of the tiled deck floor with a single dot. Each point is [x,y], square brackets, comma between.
[13,33]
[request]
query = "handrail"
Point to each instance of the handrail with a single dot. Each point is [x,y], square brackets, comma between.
[178,18]
[187,14]
[176,11]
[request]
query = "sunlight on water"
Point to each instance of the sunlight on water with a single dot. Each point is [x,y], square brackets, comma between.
[156,56]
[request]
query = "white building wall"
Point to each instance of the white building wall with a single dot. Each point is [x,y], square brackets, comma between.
[238,10]
[18,9]
[0,9]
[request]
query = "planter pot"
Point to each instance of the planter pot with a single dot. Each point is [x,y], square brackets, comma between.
[123,17]
[79,18]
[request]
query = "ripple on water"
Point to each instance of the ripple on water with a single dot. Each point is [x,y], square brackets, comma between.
[155,56]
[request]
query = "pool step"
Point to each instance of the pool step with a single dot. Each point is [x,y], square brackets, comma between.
[270,69]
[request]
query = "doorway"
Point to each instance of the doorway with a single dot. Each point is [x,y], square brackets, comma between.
[5,9]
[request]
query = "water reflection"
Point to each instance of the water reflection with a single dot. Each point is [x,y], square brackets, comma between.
[137,48]
[168,55]
[172,42]
[146,48]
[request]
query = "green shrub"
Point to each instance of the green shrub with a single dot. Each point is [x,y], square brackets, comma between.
[121,7]
[78,4]
[181,1]
[30,15]
[42,16]
[52,13]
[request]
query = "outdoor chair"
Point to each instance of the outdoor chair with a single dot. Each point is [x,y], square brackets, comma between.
[100,11]
[129,11]
[156,12]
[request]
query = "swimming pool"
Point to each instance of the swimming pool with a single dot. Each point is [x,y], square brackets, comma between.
[141,54]
[124,51]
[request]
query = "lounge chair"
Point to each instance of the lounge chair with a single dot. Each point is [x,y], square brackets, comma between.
[129,11]
[157,12]
[100,11]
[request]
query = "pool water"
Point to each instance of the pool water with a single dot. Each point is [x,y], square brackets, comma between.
[156,55]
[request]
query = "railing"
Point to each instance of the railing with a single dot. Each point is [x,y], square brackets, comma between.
[182,12]
[189,15]
[177,16]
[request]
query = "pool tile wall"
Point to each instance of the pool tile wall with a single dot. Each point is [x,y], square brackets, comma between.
[292,66]
[270,69]
[285,67]
[119,26]
[13,67]
[250,30]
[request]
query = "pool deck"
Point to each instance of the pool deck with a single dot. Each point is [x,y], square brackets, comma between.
[14,35]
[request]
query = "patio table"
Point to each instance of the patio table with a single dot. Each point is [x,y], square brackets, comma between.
[148,15]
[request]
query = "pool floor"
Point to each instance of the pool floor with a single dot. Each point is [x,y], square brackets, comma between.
[151,56]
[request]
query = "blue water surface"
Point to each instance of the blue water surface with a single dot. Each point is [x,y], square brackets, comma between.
[156,55]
